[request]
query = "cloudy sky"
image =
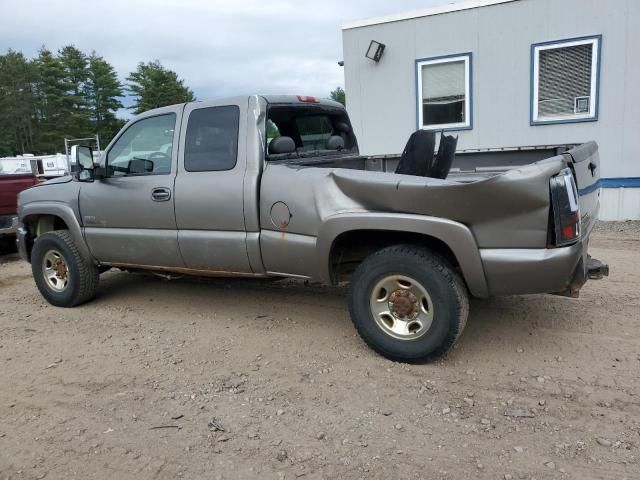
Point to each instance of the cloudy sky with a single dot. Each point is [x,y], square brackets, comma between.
[220,47]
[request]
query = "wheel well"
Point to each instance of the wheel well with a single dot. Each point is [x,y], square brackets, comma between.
[349,249]
[37,225]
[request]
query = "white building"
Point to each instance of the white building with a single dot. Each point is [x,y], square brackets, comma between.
[505,74]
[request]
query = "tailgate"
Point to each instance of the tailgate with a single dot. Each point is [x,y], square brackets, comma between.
[585,162]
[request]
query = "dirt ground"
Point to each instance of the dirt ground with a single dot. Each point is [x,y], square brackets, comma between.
[126,387]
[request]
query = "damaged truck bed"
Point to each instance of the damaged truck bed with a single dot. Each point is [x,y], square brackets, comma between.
[504,247]
[275,186]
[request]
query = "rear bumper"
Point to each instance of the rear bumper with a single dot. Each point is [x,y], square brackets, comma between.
[8,224]
[526,271]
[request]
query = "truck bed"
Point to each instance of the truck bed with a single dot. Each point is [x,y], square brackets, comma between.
[506,205]
[468,165]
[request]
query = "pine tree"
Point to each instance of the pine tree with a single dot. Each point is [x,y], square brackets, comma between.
[75,65]
[338,95]
[155,86]
[55,102]
[17,104]
[103,94]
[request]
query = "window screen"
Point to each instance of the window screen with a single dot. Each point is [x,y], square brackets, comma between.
[566,85]
[212,139]
[444,93]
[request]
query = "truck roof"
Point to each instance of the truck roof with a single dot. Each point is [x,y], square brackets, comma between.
[301,99]
[272,99]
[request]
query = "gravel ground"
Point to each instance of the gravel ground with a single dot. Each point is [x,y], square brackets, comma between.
[630,229]
[238,379]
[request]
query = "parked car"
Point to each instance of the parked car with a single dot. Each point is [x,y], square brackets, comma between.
[197,189]
[10,186]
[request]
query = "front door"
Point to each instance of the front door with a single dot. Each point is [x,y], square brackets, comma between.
[209,188]
[129,216]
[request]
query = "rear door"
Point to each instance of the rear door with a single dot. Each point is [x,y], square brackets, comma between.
[209,188]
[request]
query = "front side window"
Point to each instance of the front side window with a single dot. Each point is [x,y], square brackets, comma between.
[565,86]
[212,139]
[444,92]
[144,148]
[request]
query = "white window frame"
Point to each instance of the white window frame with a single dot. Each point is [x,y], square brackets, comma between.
[467,124]
[595,42]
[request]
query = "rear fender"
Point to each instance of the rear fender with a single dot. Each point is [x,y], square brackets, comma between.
[455,235]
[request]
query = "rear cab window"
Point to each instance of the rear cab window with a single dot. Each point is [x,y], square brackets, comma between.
[314,131]
[309,130]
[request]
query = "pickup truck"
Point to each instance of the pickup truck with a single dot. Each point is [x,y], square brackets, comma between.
[274,186]
[11,184]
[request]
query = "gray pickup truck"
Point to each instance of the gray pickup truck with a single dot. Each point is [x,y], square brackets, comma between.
[274,186]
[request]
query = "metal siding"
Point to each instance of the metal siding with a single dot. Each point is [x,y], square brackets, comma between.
[627,133]
[386,90]
[382,102]
[382,97]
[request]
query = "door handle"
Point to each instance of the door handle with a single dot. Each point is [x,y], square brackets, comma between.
[160,194]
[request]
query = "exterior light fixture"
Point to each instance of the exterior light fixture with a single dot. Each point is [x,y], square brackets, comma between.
[375,50]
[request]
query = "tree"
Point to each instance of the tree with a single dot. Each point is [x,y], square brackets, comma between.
[75,64]
[338,95]
[103,92]
[17,104]
[155,86]
[55,102]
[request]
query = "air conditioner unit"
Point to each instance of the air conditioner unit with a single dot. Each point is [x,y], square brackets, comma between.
[582,105]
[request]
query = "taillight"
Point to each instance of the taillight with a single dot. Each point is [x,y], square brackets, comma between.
[566,210]
[306,99]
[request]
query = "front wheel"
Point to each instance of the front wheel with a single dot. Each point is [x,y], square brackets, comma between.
[408,304]
[63,276]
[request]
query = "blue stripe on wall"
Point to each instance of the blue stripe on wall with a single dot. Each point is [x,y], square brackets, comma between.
[620,182]
[633,182]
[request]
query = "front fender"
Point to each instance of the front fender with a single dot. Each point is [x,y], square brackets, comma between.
[61,210]
[456,235]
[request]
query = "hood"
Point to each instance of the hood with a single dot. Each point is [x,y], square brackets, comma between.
[60,190]
[56,181]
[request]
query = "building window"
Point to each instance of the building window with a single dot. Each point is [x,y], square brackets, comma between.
[444,92]
[565,81]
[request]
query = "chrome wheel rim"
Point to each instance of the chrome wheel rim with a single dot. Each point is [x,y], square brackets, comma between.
[401,307]
[55,271]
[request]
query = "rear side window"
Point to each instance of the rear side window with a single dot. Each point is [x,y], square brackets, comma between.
[212,139]
[314,131]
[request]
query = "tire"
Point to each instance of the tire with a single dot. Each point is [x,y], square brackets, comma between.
[63,276]
[408,304]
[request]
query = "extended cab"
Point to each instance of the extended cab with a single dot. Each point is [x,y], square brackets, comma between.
[275,186]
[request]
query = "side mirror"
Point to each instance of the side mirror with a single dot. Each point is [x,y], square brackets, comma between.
[82,162]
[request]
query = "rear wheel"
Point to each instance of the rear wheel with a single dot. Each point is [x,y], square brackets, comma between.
[63,276]
[408,303]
